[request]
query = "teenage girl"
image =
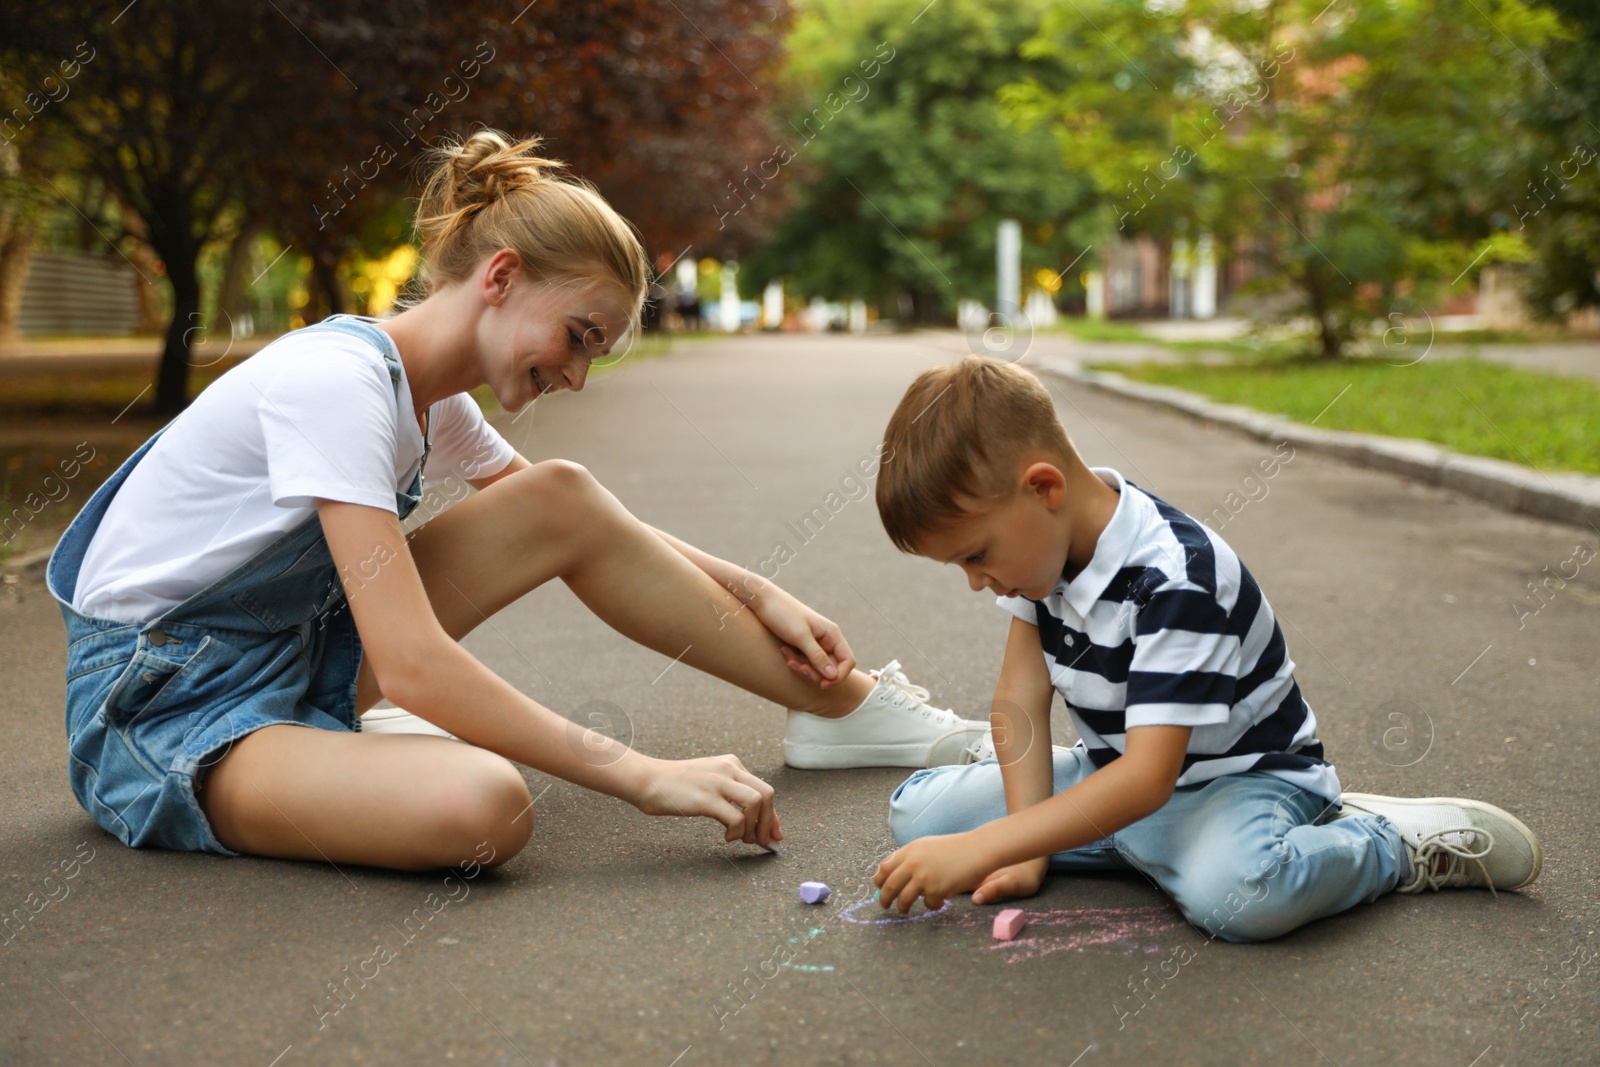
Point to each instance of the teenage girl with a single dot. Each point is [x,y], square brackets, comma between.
[241,590]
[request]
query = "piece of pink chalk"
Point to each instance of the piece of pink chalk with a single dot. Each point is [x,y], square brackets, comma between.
[1009,923]
[814,892]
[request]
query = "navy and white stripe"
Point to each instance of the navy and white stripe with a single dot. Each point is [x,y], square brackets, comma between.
[1166,626]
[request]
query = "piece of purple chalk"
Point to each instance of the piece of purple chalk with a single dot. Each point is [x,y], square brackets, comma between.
[1009,923]
[814,892]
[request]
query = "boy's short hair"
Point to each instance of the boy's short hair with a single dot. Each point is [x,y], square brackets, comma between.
[960,431]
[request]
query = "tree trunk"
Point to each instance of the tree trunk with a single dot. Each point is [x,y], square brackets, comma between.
[926,310]
[325,294]
[152,316]
[172,379]
[18,234]
[19,231]
[1329,341]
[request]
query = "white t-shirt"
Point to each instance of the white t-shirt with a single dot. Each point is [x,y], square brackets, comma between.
[313,414]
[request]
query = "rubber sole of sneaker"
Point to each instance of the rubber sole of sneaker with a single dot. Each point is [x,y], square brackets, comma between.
[845,757]
[1354,800]
[401,721]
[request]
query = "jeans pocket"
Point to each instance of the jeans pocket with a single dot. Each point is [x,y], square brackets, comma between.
[150,682]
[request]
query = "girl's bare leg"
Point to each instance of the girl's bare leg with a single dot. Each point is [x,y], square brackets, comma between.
[554,520]
[386,800]
[417,802]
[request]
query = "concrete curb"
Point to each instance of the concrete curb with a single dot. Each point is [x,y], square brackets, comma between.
[1562,497]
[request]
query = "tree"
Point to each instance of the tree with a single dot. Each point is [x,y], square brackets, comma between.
[1558,209]
[206,124]
[170,110]
[1354,151]
[659,104]
[900,163]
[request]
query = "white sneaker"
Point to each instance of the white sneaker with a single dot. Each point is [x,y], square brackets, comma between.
[1453,842]
[894,727]
[393,720]
[983,748]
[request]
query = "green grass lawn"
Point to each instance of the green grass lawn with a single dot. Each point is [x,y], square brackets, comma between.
[1086,329]
[1484,409]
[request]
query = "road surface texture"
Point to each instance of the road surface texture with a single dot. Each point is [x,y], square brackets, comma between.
[617,938]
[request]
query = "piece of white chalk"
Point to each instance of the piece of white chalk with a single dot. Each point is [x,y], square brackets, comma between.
[1009,923]
[814,892]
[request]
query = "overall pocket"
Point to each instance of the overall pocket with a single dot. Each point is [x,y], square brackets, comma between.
[308,587]
[151,683]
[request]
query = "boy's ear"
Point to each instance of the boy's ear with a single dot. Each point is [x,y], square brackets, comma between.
[1045,481]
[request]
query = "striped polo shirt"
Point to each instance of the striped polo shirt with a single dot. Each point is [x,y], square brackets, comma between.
[1166,627]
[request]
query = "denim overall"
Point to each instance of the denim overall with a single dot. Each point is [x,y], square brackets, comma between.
[151,705]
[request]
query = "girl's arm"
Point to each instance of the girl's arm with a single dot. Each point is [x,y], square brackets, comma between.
[732,577]
[421,668]
[814,646]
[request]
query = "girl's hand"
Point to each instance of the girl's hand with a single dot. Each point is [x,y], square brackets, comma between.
[933,868]
[813,646]
[716,786]
[1019,880]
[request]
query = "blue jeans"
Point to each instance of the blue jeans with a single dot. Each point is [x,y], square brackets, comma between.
[151,706]
[1244,856]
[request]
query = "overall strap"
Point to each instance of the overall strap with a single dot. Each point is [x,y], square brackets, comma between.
[363,326]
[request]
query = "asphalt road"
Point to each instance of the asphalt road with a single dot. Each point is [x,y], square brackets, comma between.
[622,939]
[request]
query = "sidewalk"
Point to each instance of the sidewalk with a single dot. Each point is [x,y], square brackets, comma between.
[621,939]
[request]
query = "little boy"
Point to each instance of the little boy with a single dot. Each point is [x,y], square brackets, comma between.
[1198,763]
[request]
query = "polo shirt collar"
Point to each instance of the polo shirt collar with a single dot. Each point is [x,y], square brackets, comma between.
[1111,550]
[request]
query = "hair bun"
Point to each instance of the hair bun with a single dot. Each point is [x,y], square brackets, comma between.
[471,174]
[490,193]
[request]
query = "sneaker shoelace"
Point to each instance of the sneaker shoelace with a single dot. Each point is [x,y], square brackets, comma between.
[1448,842]
[982,748]
[905,693]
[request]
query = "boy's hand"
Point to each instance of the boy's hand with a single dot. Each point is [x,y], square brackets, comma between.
[1019,880]
[716,786]
[933,868]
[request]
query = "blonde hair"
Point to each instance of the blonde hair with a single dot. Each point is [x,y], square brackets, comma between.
[959,432]
[488,192]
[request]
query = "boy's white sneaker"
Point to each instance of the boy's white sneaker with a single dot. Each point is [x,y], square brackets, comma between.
[393,720]
[983,748]
[1453,842]
[894,727]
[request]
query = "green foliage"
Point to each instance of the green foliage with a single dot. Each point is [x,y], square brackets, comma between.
[902,166]
[1558,210]
[1354,151]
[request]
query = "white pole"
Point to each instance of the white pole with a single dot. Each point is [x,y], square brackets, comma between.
[1178,279]
[772,305]
[858,316]
[1008,268]
[730,297]
[819,315]
[1094,293]
[1205,278]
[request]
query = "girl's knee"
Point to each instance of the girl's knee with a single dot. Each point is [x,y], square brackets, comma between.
[487,816]
[557,486]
